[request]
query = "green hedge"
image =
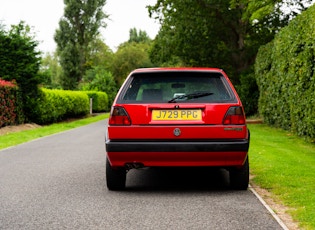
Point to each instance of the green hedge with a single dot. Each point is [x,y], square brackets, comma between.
[52,105]
[285,76]
[57,105]
[100,101]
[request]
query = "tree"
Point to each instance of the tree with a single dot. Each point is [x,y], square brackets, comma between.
[131,55]
[50,71]
[78,28]
[128,57]
[20,61]
[162,53]
[101,54]
[100,79]
[138,37]
[225,34]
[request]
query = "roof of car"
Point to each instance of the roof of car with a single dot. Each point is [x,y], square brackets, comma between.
[166,69]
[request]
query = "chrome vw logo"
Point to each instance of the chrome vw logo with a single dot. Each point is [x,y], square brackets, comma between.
[177,132]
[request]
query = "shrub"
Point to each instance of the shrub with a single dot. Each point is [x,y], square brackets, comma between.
[4,83]
[57,105]
[100,100]
[10,106]
[285,75]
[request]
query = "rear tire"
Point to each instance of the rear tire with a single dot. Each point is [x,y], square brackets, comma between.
[115,177]
[239,177]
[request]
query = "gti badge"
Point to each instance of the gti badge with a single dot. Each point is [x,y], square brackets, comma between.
[177,132]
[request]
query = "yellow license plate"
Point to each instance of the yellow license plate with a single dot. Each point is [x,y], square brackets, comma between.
[174,115]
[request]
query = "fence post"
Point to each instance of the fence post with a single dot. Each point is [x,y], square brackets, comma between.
[91,106]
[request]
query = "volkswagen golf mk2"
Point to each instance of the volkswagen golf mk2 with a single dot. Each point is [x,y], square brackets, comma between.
[177,117]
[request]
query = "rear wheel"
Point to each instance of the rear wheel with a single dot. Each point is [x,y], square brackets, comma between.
[115,177]
[239,177]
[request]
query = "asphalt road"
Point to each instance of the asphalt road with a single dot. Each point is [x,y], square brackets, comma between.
[58,182]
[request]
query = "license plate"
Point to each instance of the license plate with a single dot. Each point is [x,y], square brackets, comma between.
[174,115]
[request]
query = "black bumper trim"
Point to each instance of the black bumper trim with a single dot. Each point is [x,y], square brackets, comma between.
[200,146]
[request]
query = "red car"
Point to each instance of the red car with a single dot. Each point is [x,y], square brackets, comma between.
[177,117]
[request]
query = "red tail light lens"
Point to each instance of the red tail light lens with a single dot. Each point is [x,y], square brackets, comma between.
[119,116]
[234,116]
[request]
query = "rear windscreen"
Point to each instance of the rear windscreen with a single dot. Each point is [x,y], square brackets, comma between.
[177,87]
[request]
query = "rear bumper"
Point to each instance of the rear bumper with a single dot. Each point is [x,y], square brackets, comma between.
[188,153]
[187,146]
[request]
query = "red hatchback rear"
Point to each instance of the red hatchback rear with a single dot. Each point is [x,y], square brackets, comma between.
[176,117]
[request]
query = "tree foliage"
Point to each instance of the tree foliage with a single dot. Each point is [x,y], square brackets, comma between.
[128,57]
[138,36]
[131,55]
[78,28]
[101,54]
[50,71]
[20,61]
[225,33]
[100,79]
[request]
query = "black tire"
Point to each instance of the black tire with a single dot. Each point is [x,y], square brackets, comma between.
[239,177]
[115,178]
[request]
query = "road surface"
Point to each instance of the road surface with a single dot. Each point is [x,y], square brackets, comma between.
[58,182]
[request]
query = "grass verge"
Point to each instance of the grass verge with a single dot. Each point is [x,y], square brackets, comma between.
[285,165]
[16,138]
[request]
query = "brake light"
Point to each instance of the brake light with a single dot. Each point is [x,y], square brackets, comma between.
[234,116]
[119,116]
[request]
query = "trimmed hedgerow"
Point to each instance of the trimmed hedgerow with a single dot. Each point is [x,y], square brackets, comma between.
[57,105]
[52,105]
[285,73]
[100,101]
[10,104]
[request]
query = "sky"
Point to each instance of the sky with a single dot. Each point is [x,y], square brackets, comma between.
[44,15]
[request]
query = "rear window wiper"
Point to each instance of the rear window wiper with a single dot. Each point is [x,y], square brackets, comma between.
[189,96]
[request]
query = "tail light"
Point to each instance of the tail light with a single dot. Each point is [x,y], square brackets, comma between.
[234,116]
[119,116]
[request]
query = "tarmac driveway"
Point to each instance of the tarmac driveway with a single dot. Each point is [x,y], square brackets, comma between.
[58,182]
